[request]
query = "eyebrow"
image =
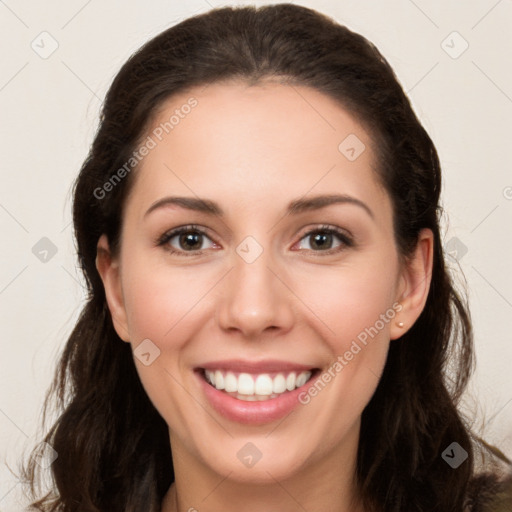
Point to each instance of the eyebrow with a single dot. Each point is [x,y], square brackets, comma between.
[294,207]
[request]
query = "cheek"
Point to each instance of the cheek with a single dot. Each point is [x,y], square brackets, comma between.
[158,301]
[351,300]
[354,308]
[161,305]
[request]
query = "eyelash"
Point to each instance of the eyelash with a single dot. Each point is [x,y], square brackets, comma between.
[345,239]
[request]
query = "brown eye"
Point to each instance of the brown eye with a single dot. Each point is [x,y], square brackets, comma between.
[183,240]
[322,240]
[190,240]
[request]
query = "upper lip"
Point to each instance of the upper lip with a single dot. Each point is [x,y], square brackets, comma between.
[267,365]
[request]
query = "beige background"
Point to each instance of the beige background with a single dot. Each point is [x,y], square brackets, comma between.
[49,108]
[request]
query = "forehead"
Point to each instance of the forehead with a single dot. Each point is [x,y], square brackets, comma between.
[269,141]
[256,121]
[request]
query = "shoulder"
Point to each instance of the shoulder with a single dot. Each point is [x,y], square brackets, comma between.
[490,492]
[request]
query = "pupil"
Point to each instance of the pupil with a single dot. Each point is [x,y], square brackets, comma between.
[188,237]
[322,237]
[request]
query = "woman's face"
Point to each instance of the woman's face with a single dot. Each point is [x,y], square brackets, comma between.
[259,292]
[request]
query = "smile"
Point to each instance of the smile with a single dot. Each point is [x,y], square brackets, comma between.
[256,387]
[254,393]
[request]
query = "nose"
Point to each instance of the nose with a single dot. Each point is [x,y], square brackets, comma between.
[256,299]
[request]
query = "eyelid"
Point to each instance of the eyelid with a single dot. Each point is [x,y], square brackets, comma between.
[326,227]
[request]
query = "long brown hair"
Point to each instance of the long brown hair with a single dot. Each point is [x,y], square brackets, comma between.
[113,446]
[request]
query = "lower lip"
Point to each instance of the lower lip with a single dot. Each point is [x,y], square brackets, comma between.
[252,413]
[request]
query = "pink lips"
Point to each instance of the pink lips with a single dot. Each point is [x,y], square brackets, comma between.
[257,412]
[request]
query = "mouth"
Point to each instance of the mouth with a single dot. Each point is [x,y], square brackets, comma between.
[256,386]
[254,392]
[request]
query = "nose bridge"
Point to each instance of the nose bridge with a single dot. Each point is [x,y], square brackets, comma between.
[255,299]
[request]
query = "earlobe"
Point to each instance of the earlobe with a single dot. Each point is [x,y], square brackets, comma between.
[415,284]
[109,271]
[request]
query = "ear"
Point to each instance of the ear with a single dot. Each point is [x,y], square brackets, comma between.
[414,284]
[108,268]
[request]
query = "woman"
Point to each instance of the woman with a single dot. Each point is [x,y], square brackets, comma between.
[269,315]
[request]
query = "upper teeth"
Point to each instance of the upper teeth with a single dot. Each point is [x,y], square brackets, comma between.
[261,384]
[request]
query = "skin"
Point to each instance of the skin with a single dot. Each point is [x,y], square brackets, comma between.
[253,150]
